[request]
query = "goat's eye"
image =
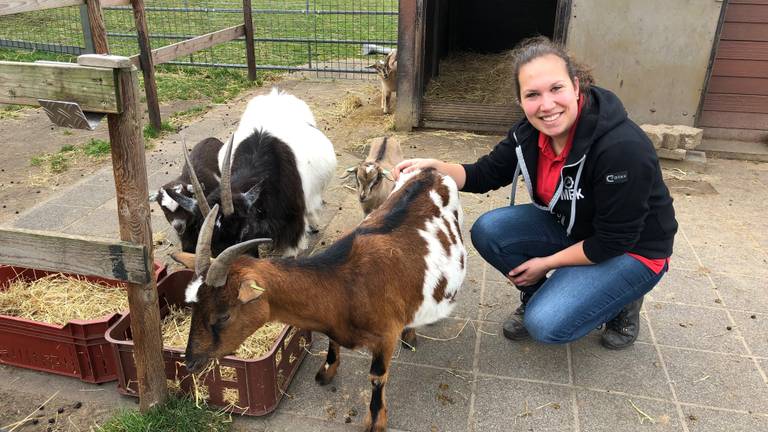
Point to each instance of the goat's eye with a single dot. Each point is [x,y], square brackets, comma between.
[222,319]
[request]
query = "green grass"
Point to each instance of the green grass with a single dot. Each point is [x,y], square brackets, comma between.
[68,154]
[62,26]
[176,415]
[151,132]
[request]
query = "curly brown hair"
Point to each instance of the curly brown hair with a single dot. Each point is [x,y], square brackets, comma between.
[534,47]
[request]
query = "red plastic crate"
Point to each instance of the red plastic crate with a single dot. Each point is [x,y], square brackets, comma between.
[77,349]
[259,383]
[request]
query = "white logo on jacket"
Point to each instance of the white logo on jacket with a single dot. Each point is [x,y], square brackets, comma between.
[569,190]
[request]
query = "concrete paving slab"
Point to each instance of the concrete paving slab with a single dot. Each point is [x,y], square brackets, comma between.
[636,370]
[742,292]
[716,380]
[753,328]
[49,218]
[708,420]
[520,359]
[600,411]
[511,405]
[449,343]
[703,328]
[85,196]
[685,287]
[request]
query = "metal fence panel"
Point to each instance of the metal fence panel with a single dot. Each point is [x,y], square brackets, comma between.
[324,36]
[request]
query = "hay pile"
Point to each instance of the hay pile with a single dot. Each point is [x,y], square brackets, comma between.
[475,78]
[58,299]
[176,324]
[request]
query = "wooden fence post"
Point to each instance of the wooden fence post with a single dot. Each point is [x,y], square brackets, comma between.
[98,30]
[129,166]
[250,49]
[147,64]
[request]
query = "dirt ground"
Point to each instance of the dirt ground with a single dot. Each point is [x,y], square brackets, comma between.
[347,111]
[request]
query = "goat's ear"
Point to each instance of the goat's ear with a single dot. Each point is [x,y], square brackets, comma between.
[388,174]
[348,171]
[249,291]
[371,66]
[185,258]
[252,195]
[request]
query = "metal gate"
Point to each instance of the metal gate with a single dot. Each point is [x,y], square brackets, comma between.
[330,37]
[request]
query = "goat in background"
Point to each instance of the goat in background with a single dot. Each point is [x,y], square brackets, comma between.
[400,268]
[387,71]
[373,175]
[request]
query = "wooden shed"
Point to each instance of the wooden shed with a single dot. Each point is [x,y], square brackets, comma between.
[468,40]
[697,63]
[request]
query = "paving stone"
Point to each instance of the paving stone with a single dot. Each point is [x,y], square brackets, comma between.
[468,300]
[716,380]
[85,195]
[685,286]
[607,412]
[49,217]
[455,351]
[694,327]
[512,405]
[683,255]
[707,420]
[753,330]
[521,359]
[98,223]
[286,422]
[742,292]
[635,370]
[499,301]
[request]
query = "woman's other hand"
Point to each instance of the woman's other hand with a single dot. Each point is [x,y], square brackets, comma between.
[529,272]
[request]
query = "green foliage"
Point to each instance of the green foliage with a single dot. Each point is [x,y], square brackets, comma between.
[96,147]
[60,161]
[189,83]
[176,415]
[151,132]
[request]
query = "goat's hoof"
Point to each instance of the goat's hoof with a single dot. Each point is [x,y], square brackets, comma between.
[408,339]
[323,378]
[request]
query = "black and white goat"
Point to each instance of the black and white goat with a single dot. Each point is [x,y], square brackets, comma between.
[373,175]
[177,199]
[274,172]
[412,245]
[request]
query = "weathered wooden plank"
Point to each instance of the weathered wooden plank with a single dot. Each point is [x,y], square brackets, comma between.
[189,46]
[119,260]
[742,50]
[94,89]
[747,13]
[129,166]
[736,103]
[410,61]
[250,46]
[18,6]
[745,31]
[472,113]
[740,68]
[736,85]
[104,61]
[463,126]
[733,120]
[147,64]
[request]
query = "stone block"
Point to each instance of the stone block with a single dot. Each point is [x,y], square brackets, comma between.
[676,154]
[673,137]
[655,134]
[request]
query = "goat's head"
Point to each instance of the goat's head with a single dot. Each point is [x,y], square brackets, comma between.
[178,203]
[369,177]
[227,306]
[387,66]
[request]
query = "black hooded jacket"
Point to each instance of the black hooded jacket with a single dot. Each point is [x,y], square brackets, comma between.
[610,194]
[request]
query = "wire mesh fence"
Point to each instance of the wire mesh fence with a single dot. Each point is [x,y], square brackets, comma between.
[323,36]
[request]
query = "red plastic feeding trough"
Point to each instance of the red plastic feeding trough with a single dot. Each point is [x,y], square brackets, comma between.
[77,348]
[245,386]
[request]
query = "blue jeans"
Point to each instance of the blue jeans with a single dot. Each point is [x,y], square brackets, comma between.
[574,300]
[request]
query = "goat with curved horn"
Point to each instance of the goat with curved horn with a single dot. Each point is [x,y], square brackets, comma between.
[198,189]
[227,207]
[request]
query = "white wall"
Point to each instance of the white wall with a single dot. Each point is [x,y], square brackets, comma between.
[652,53]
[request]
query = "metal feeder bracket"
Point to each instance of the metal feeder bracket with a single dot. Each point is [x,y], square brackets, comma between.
[70,115]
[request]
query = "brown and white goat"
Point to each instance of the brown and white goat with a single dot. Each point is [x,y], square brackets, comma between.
[413,245]
[373,175]
[387,71]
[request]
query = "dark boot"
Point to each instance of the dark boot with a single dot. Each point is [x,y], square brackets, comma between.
[621,332]
[513,328]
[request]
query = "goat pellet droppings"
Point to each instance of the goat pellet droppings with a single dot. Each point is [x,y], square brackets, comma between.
[347,420]
[51,420]
[77,405]
[60,410]
[753,316]
[35,421]
[728,328]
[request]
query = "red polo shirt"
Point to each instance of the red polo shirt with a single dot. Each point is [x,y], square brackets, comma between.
[548,174]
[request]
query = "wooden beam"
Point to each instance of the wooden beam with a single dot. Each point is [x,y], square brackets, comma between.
[250,48]
[20,6]
[122,261]
[129,166]
[409,64]
[94,89]
[98,30]
[189,46]
[147,65]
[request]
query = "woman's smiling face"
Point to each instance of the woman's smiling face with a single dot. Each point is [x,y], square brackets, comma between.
[550,100]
